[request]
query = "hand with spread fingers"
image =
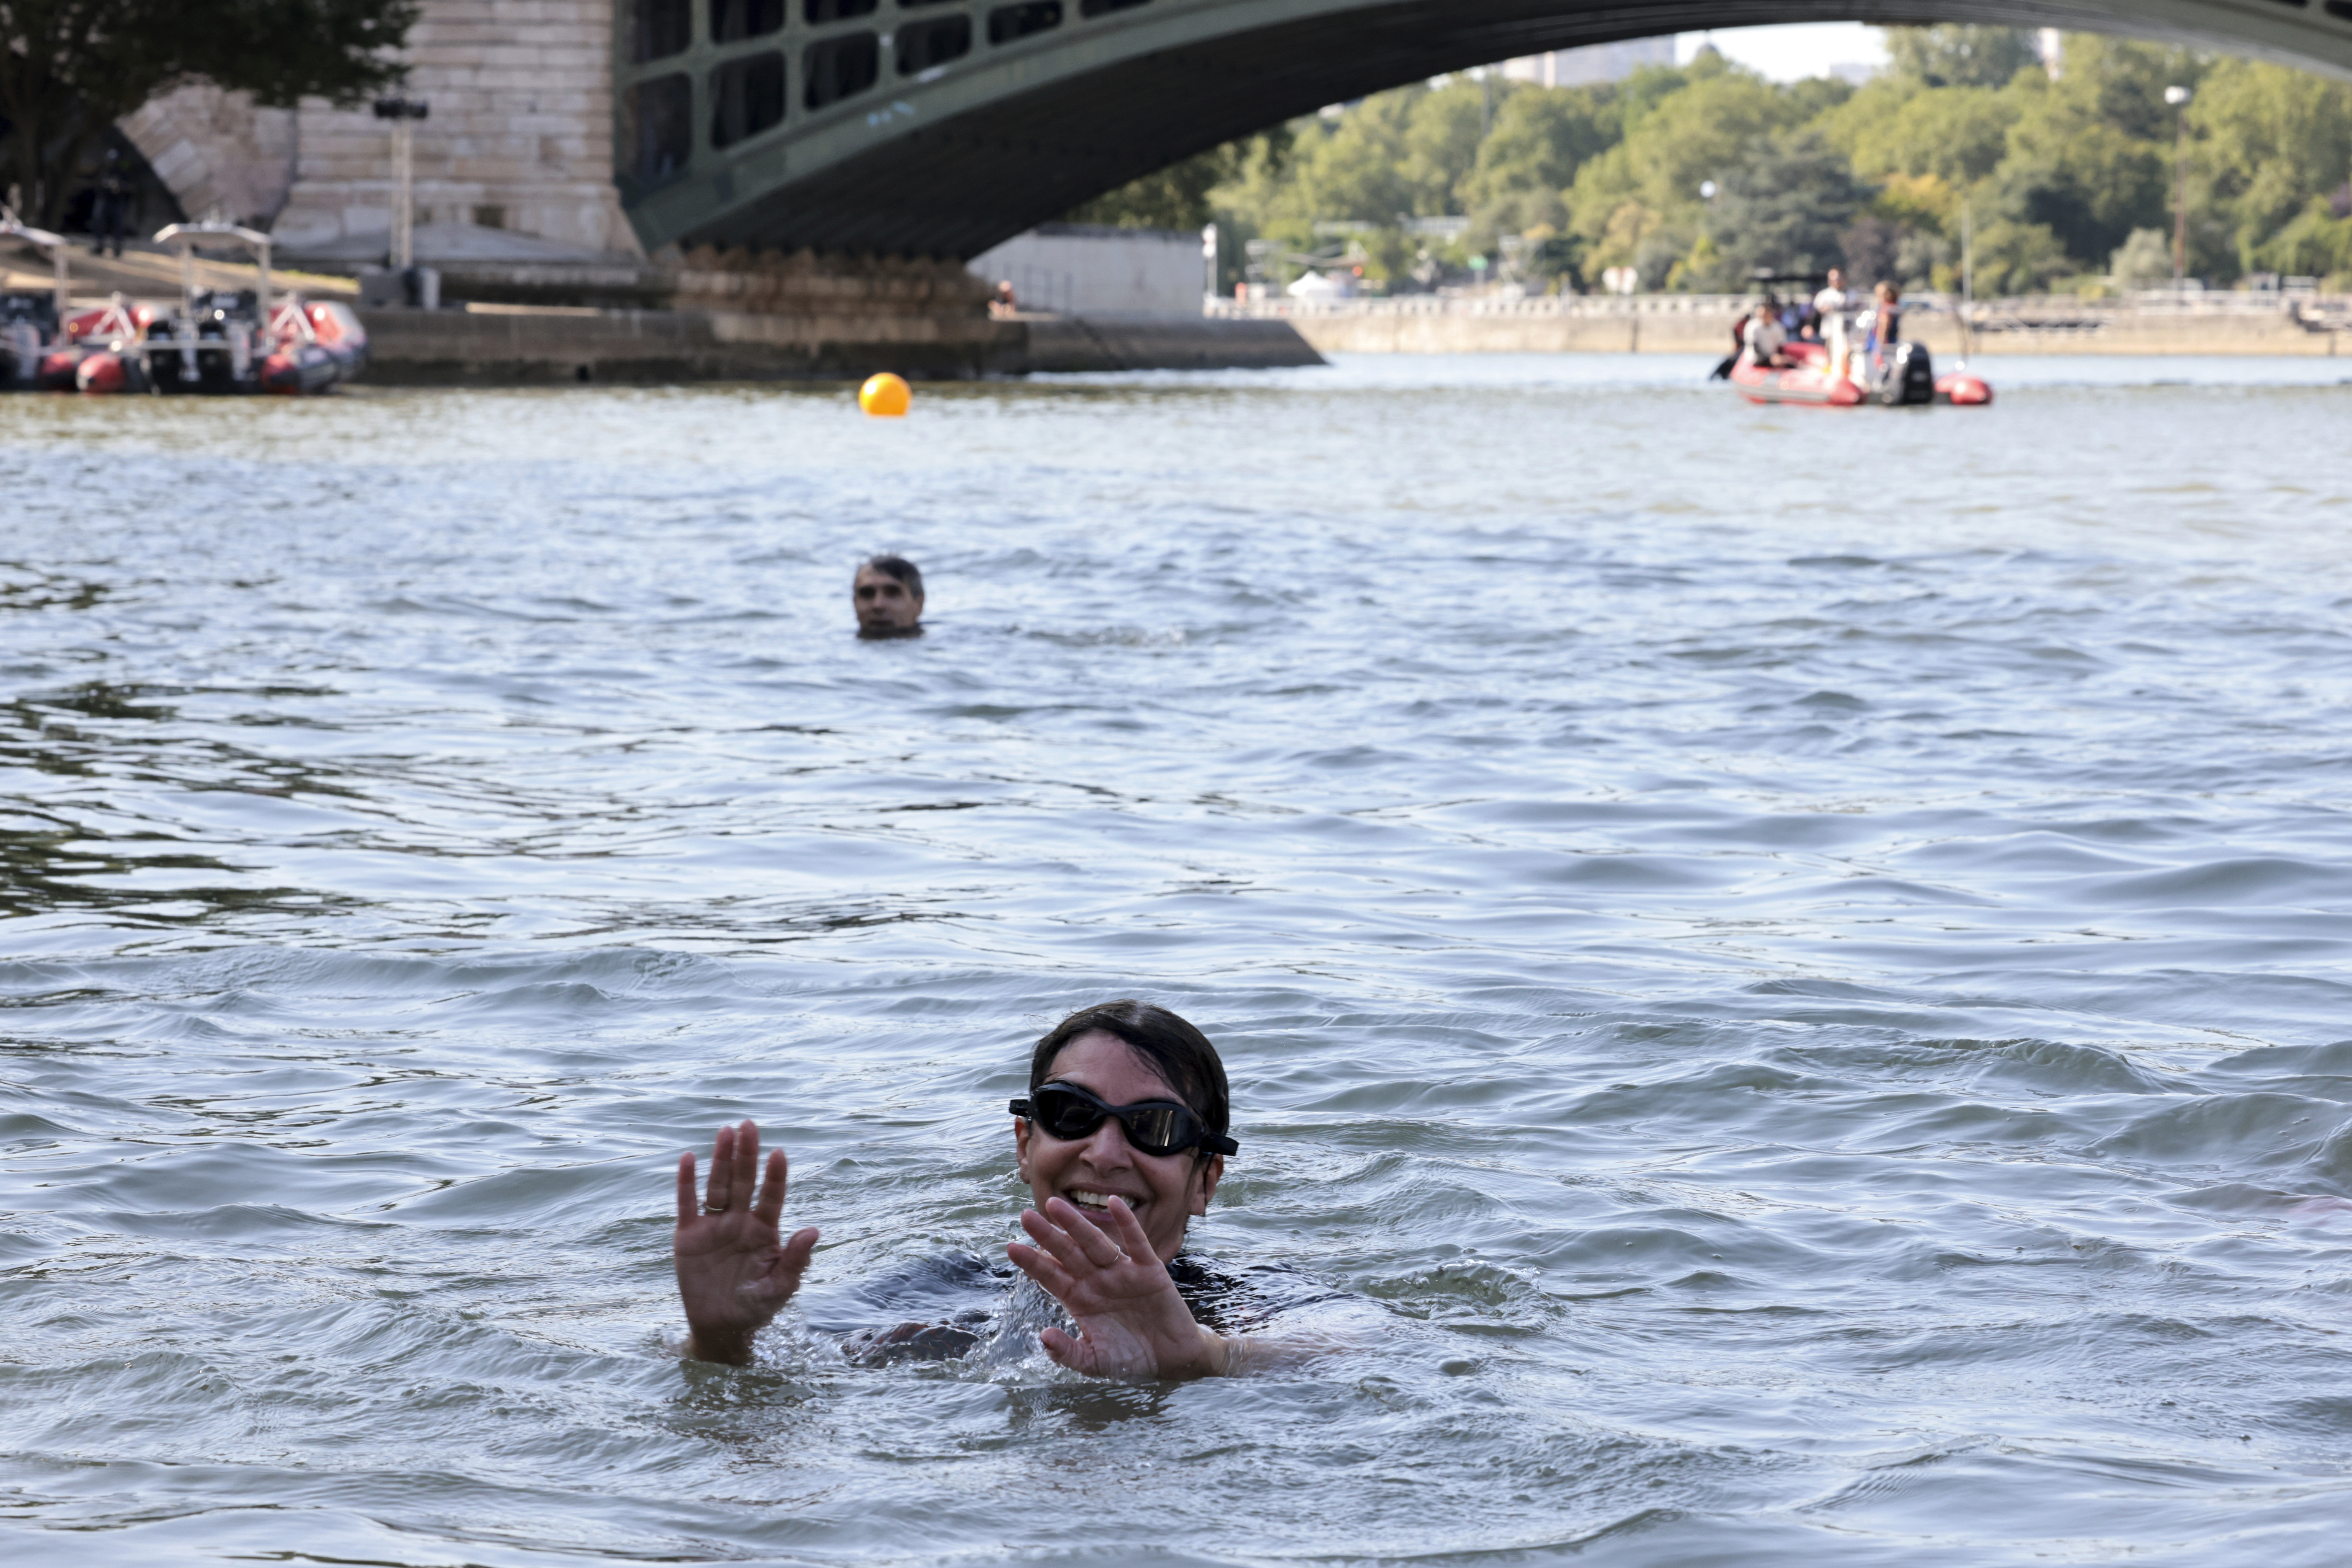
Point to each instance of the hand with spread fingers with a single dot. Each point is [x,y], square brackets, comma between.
[735,1271]
[1130,1318]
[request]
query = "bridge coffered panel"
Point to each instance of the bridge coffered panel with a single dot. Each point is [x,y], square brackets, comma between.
[940,127]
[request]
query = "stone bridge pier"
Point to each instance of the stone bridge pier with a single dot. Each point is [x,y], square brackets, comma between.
[513,170]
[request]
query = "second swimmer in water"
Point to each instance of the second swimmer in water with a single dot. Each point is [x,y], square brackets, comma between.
[1121,1139]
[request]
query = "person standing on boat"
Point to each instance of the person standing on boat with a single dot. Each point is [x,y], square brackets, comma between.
[1830,306]
[1886,321]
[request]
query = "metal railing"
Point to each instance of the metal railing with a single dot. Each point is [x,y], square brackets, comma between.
[2022,312]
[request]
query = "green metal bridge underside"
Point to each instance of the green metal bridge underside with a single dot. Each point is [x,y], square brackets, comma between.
[959,157]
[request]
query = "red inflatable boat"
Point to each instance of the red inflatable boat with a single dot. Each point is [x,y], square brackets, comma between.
[28,322]
[217,340]
[1898,375]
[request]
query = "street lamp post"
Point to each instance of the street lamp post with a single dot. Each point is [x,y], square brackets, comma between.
[2179,98]
[403,114]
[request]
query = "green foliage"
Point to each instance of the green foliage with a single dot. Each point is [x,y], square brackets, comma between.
[2064,176]
[2268,141]
[69,68]
[2083,179]
[2318,244]
[2143,260]
[1786,209]
[1175,197]
[1540,140]
[1894,126]
[1959,56]
[2014,257]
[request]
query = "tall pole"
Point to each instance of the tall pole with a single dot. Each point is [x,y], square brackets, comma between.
[403,114]
[1967,279]
[2179,98]
[404,214]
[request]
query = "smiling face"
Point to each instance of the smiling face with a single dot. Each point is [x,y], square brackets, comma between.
[885,607]
[1164,1190]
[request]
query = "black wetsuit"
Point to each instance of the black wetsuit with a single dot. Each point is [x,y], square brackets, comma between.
[943,1306]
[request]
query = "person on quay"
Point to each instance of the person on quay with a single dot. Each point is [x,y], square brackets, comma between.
[888,596]
[1122,1142]
[110,212]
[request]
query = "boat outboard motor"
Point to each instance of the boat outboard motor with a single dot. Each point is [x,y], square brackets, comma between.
[28,324]
[1908,377]
[219,337]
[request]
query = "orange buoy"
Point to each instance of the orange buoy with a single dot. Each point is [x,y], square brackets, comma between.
[886,396]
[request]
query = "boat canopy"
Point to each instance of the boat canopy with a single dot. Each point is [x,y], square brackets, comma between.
[42,240]
[188,236]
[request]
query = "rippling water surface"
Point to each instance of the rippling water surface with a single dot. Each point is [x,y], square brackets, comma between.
[1799,962]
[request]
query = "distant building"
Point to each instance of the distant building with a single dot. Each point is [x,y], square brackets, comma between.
[2051,44]
[1089,270]
[1597,63]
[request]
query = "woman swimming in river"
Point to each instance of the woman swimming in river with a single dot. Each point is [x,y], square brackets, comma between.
[1122,1139]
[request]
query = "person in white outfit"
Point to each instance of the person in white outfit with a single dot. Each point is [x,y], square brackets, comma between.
[1830,306]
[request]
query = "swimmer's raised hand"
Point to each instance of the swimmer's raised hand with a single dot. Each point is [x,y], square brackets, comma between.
[735,1271]
[1131,1321]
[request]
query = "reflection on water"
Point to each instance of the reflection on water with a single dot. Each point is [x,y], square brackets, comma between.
[1798,963]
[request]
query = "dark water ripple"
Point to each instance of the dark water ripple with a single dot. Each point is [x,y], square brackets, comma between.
[1800,965]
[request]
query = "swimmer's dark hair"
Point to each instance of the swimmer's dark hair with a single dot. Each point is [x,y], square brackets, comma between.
[1181,1052]
[898,566]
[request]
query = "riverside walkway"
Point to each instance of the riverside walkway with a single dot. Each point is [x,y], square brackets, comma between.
[2214,321]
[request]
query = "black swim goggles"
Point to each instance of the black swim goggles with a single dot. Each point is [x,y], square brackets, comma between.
[1065,1111]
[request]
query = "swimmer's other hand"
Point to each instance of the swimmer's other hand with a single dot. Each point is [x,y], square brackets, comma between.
[1131,1321]
[735,1271]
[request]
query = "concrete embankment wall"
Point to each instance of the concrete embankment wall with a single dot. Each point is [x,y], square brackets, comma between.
[1678,332]
[1710,333]
[541,347]
[526,347]
[1085,343]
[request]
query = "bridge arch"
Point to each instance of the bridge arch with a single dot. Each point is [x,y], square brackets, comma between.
[940,127]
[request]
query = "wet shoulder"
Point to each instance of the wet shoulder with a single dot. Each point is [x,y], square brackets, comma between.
[1246,1298]
[949,1288]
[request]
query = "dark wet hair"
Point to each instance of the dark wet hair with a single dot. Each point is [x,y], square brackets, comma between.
[898,566]
[1181,1053]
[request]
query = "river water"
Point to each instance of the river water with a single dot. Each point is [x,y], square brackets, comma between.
[1797,964]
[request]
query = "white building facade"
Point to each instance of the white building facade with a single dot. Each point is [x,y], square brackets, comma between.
[1598,63]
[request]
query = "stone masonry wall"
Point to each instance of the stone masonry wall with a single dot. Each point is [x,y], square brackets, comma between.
[520,139]
[804,285]
[216,152]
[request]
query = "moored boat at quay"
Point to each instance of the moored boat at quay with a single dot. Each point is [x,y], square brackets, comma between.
[215,340]
[29,320]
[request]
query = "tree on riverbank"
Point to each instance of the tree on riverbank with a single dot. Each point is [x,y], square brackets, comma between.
[71,68]
[2064,176]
